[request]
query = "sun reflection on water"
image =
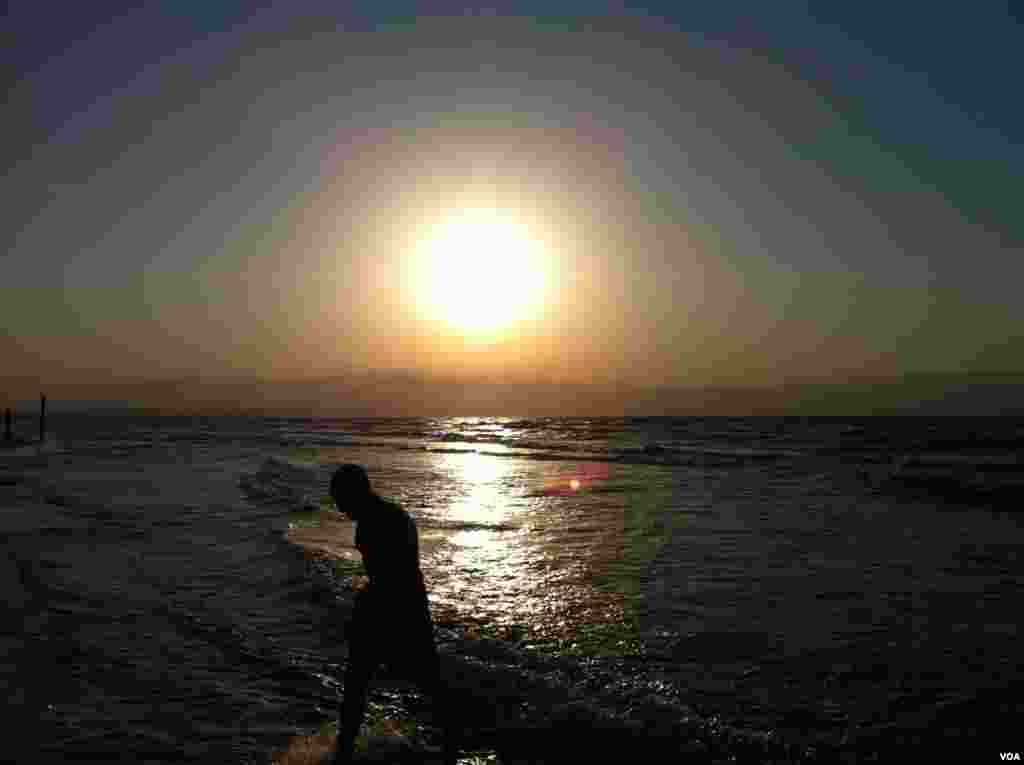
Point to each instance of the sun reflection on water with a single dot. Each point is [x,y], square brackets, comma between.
[483,496]
[477,570]
[507,563]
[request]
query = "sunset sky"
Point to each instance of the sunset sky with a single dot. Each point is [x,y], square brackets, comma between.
[752,195]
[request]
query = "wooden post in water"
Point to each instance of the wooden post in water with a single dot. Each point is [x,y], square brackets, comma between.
[42,417]
[7,424]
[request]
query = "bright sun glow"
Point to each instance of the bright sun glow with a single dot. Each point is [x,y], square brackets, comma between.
[480,270]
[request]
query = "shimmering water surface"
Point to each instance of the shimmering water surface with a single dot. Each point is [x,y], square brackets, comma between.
[184,583]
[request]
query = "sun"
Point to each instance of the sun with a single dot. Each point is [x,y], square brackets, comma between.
[480,270]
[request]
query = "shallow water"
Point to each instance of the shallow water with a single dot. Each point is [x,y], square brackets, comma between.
[160,614]
[781,576]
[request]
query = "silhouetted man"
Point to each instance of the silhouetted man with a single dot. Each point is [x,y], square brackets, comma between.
[392,621]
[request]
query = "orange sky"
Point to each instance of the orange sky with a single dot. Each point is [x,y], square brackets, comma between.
[708,213]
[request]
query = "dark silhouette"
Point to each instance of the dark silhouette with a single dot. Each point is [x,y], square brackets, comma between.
[391,623]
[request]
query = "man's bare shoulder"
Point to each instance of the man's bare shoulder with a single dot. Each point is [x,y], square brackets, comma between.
[390,512]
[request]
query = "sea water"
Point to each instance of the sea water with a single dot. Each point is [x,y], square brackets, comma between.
[180,586]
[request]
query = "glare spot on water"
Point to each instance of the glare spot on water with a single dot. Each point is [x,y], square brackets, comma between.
[476,538]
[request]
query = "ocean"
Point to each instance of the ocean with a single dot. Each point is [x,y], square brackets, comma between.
[800,589]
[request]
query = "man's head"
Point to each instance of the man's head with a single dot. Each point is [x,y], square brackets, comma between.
[350,489]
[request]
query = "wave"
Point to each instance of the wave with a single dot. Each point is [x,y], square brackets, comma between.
[650,454]
[471,526]
[449,450]
[997,482]
[279,481]
[966,490]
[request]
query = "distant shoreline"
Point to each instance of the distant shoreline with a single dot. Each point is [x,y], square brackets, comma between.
[383,394]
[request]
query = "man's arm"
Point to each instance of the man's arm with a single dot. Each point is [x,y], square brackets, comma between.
[412,540]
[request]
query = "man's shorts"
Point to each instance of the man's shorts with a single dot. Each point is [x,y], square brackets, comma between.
[396,631]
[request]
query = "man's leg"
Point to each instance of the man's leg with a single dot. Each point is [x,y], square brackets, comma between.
[352,710]
[430,680]
[362,662]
